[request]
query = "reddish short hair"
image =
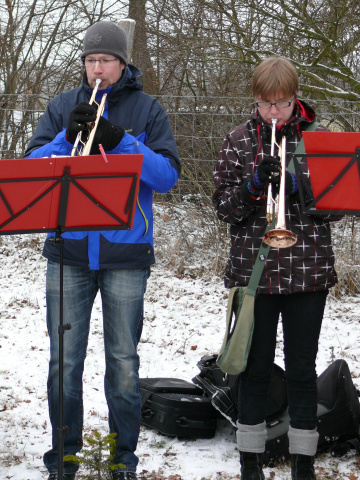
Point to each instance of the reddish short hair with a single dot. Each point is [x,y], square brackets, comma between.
[274,75]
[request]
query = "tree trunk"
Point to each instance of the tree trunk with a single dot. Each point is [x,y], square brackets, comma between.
[140,53]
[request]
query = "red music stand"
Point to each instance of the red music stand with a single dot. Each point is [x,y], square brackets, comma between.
[62,194]
[333,160]
[35,193]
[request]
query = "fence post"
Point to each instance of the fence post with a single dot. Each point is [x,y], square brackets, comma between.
[128,24]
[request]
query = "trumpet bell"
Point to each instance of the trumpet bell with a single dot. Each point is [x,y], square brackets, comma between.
[280,238]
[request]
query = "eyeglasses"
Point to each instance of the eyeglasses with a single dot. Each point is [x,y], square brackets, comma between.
[282,104]
[106,62]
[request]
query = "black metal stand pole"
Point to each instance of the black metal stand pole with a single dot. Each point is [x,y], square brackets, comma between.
[62,429]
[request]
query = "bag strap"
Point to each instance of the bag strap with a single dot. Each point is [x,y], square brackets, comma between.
[145,395]
[259,264]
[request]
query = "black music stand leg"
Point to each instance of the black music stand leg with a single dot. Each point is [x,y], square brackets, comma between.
[62,328]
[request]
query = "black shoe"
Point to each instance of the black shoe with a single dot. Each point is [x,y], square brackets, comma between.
[66,476]
[124,476]
[302,467]
[251,466]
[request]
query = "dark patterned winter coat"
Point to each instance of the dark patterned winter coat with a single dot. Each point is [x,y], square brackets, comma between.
[308,266]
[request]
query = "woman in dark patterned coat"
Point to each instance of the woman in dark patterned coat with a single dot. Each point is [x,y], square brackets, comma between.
[295,281]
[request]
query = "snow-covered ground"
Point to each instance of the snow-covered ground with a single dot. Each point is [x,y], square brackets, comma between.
[184,320]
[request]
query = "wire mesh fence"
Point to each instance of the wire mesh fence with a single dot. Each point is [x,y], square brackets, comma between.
[199,125]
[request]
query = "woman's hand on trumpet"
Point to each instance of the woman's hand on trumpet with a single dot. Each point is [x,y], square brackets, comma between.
[266,171]
[269,171]
[268,168]
[291,186]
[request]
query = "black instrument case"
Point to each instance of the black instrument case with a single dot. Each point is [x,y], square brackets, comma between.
[177,408]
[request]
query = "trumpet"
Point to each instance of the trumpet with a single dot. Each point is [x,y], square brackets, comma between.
[83,148]
[271,204]
[280,236]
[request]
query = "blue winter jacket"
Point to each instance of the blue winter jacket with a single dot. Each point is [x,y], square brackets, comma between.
[148,132]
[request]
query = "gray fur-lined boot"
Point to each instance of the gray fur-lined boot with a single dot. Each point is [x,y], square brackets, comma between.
[251,443]
[302,447]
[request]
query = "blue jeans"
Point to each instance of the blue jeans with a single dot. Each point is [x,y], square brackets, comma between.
[302,315]
[122,293]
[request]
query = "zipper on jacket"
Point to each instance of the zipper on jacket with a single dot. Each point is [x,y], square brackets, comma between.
[144,216]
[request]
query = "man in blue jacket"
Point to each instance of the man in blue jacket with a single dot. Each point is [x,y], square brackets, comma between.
[115,262]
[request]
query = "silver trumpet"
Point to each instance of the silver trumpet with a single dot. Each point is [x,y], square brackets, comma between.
[280,236]
[271,204]
[83,148]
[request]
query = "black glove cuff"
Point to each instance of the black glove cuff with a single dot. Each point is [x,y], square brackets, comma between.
[291,186]
[247,197]
[256,185]
[118,135]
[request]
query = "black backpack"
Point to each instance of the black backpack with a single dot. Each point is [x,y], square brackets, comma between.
[223,389]
[338,413]
[338,407]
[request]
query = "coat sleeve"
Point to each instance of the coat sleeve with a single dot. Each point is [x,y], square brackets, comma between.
[49,137]
[161,165]
[231,199]
[58,146]
[158,172]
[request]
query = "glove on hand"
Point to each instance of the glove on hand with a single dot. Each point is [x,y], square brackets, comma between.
[83,113]
[108,135]
[291,186]
[268,167]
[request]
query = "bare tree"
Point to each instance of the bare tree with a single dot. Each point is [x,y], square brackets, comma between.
[320,37]
[141,56]
[210,48]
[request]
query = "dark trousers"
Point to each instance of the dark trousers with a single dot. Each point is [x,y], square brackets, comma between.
[302,315]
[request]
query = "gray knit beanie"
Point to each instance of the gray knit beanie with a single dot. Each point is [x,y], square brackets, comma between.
[105,37]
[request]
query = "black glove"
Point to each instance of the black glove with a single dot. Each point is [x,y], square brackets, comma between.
[291,186]
[268,168]
[82,114]
[108,135]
